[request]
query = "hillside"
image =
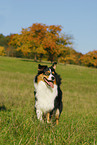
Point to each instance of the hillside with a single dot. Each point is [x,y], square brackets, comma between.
[78,121]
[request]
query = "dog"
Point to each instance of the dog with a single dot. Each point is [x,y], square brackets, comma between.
[48,95]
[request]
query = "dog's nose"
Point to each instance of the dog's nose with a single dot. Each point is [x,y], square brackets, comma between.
[53,78]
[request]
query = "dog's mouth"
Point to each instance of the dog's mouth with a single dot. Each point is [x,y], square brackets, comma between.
[49,82]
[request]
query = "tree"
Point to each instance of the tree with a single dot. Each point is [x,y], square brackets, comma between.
[13,44]
[2,51]
[64,43]
[50,41]
[4,40]
[37,34]
[39,51]
[40,39]
[30,40]
[90,59]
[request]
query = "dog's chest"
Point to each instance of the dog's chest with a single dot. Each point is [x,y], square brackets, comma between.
[45,96]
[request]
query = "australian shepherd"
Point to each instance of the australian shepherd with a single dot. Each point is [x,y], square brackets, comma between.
[48,95]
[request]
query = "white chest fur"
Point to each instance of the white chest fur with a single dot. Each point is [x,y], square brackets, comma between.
[45,96]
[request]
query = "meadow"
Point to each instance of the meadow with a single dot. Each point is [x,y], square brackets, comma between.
[18,122]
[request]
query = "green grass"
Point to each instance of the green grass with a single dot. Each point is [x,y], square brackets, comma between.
[18,122]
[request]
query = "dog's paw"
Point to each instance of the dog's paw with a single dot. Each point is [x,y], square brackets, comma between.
[48,121]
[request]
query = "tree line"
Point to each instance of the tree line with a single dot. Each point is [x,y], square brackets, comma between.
[42,42]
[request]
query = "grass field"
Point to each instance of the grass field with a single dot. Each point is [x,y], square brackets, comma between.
[18,123]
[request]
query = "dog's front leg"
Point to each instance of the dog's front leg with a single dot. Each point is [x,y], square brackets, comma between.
[48,117]
[57,116]
[39,115]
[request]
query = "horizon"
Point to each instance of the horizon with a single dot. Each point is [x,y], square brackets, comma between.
[78,18]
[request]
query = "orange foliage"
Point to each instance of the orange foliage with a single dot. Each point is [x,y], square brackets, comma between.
[36,38]
[2,51]
[40,39]
[71,57]
[90,59]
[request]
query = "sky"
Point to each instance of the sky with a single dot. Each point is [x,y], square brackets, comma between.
[78,18]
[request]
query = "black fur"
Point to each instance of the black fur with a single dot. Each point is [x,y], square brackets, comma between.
[58,100]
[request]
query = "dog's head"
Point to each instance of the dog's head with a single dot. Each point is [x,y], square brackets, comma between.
[47,74]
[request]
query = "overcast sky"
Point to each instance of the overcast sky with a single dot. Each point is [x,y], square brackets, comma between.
[77,17]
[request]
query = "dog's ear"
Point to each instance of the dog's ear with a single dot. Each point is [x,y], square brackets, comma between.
[54,65]
[41,67]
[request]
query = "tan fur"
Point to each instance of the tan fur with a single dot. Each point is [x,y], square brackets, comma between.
[48,117]
[41,76]
[57,116]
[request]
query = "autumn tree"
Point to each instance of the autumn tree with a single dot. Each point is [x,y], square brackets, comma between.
[39,52]
[64,43]
[13,45]
[90,59]
[37,34]
[50,41]
[2,51]
[4,40]
[30,40]
[40,39]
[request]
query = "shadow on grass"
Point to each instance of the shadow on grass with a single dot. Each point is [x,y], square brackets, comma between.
[3,108]
[42,62]
[27,60]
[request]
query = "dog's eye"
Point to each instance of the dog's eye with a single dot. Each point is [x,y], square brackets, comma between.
[47,73]
[53,73]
